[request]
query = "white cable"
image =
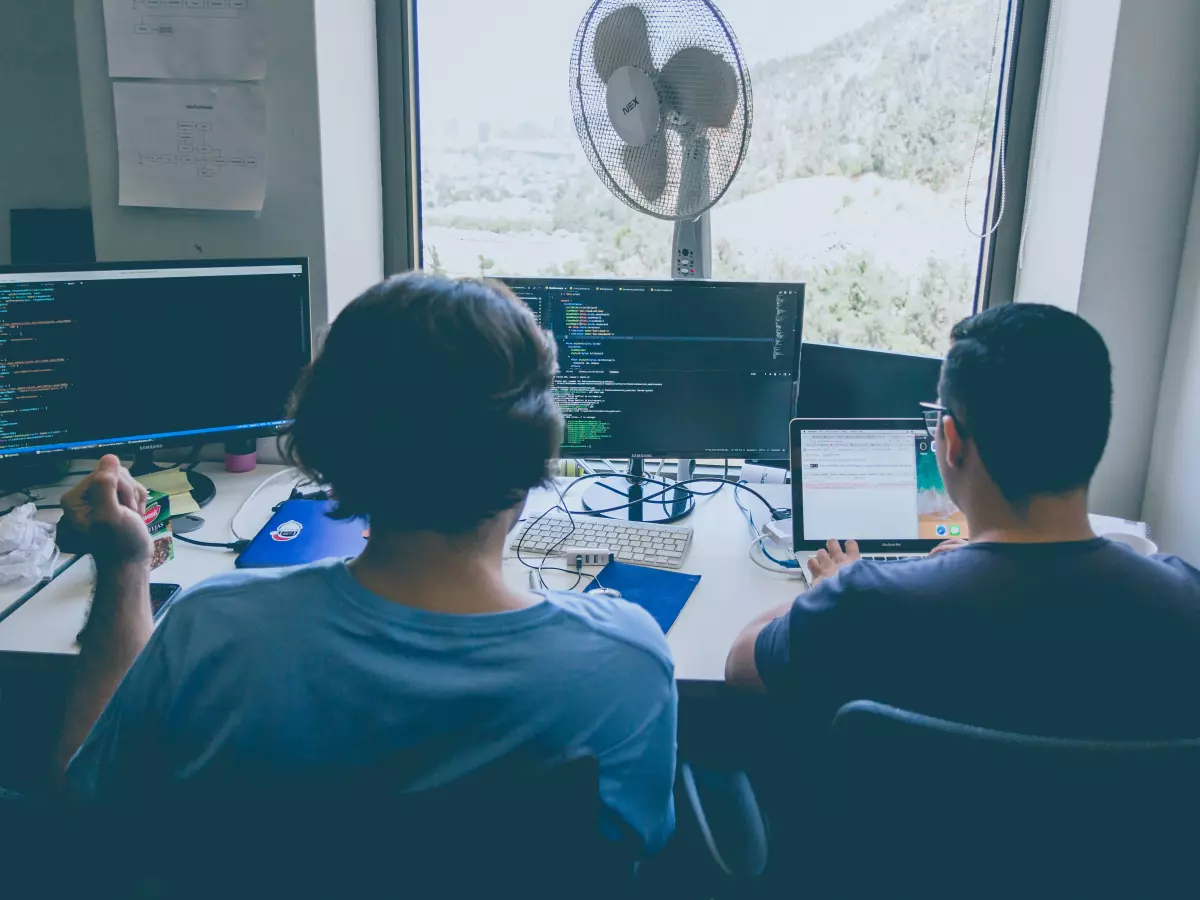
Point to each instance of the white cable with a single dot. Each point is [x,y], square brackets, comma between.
[762,564]
[241,509]
[1049,55]
[1002,122]
[562,504]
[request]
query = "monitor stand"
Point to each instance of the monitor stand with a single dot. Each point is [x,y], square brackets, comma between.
[203,489]
[620,490]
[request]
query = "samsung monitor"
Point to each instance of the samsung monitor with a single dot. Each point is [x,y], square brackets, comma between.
[138,356]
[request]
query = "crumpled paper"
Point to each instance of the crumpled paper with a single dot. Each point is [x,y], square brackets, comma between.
[27,548]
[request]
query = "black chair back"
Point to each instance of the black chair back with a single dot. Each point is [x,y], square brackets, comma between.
[923,806]
[511,831]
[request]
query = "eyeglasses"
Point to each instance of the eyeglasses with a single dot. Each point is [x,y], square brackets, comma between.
[933,418]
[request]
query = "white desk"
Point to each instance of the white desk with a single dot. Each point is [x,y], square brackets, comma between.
[732,589]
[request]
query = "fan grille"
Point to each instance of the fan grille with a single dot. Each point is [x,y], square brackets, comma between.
[672,25]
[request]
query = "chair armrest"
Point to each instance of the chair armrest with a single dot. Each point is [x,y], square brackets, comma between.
[730,822]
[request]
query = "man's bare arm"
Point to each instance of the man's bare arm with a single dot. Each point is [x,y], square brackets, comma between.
[740,668]
[102,516]
[118,628]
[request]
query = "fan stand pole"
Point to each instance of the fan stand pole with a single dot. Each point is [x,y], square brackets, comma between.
[692,256]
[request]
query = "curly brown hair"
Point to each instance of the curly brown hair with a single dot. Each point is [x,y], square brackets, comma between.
[429,407]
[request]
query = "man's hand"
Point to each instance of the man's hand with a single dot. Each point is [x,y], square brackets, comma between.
[831,560]
[947,546]
[103,516]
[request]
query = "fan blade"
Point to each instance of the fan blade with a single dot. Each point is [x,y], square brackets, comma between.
[622,40]
[647,166]
[700,86]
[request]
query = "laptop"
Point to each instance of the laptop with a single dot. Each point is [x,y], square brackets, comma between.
[875,481]
[301,531]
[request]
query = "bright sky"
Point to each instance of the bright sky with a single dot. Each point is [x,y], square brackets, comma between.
[491,60]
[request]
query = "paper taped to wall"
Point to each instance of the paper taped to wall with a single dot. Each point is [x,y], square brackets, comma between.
[217,39]
[191,146]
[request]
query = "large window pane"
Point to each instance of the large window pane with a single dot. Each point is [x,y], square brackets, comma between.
[868,115]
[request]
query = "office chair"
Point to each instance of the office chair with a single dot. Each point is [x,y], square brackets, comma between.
[904,805]
[511,831]
[918,806]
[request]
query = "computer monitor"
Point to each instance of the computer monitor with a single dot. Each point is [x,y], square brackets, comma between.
[146,355]
[671,368]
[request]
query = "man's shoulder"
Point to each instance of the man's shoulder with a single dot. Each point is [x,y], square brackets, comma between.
[919,575]
[1169,573]
[257,588]
[626,626]
[990,568]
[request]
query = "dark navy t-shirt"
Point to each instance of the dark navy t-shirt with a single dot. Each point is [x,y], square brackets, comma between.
[1085,640]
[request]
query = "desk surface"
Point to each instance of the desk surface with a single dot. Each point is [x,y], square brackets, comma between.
[732,589]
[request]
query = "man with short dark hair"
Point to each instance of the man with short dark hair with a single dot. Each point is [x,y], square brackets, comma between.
[1035,626]
[429,410]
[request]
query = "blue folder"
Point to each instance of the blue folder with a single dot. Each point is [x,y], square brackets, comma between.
[660,592]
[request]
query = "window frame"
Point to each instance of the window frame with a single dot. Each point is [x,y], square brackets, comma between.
[399,117]
[998,253]
[399,133]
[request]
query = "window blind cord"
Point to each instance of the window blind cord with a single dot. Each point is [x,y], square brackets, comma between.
[1001,121]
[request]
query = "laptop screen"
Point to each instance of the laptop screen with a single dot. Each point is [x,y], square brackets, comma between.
[875,483]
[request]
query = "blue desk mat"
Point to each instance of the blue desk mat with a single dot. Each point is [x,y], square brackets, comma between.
[660,592]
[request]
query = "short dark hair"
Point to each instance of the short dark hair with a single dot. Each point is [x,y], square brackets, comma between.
[1032,386]
[429,407]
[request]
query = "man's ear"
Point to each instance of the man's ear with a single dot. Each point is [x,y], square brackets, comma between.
[956,445]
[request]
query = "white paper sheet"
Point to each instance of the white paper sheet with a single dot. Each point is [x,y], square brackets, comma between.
[192,146]
[215,39]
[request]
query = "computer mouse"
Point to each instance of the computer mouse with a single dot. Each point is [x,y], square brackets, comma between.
[607,592]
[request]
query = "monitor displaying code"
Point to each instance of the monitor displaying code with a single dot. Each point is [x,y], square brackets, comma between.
[106,356]
[672,368]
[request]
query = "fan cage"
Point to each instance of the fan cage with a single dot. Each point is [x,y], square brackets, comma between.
[672,25]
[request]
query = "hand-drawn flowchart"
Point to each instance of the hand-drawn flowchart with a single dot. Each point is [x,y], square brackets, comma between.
[194,149]
[219,39]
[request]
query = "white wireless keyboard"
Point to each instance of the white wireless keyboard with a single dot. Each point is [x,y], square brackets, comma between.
[639,543]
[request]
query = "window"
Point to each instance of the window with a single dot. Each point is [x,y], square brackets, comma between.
[870,173]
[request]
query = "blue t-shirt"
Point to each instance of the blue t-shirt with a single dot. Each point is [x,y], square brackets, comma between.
[1076,640]
[308,668]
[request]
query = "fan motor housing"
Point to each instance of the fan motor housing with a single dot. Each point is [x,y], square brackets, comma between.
[633,106]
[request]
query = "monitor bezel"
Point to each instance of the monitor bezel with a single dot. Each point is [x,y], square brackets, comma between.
[799,545]
[123,445]
[626,452]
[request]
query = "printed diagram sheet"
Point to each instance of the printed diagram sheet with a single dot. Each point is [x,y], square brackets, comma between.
[212,39]
[191,146]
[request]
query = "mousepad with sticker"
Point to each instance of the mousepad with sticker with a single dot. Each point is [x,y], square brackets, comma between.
[301,531]
[661,592]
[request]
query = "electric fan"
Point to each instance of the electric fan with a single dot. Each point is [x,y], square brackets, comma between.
[661,99]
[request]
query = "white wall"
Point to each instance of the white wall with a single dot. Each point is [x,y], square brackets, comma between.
[1172,505]
[42,158]
[1058,212]
[1122,200]
[348,75]
[292,220]
[1139,220]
